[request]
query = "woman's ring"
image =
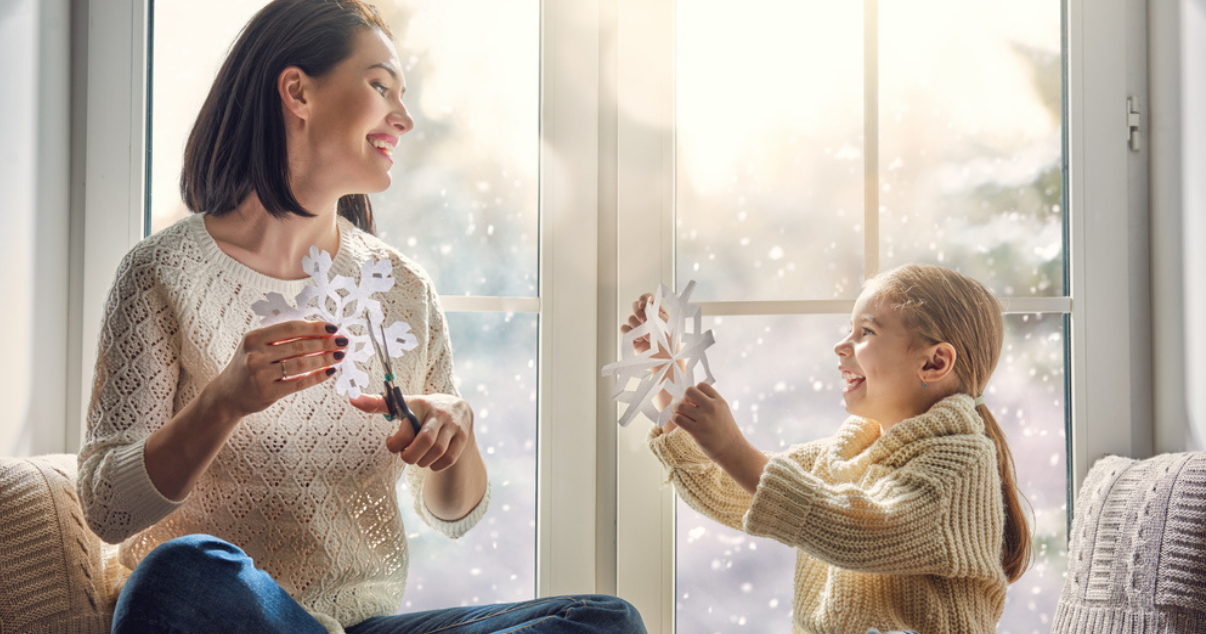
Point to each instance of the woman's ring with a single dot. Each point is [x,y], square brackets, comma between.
[284,375]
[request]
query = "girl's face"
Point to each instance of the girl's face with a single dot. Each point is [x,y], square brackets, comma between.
[881,367]
[357,118]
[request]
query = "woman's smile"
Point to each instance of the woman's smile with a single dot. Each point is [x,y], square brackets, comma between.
[384,144]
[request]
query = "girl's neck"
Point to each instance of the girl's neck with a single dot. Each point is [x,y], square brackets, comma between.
[269,245]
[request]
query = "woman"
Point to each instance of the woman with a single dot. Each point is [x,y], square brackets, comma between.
[246,494]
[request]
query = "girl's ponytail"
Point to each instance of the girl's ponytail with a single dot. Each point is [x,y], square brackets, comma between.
[939,305]
[1015,549]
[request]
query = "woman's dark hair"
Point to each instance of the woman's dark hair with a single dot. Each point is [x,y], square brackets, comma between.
[237,144]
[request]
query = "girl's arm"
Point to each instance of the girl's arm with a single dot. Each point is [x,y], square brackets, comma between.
[704,485]
[942,513]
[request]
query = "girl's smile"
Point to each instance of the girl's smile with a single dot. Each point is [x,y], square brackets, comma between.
[882,367]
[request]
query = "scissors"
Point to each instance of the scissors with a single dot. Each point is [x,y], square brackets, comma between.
[393,395]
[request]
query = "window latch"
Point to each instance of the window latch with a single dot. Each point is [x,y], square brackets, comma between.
[1132,125]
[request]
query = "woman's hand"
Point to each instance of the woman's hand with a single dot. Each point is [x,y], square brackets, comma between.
[276,361]
[705,415]
[445,443]
[446,428]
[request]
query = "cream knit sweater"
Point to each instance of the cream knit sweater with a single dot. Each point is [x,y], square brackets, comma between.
[306,487]
[895,531]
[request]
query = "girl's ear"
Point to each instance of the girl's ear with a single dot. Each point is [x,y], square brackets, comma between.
[293,86]
[939,363]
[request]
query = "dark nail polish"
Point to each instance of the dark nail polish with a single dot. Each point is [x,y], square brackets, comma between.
[330,371]
[341,341]
[332,328]
[339,355]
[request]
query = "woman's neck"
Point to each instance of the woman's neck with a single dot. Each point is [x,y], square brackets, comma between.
[269,245]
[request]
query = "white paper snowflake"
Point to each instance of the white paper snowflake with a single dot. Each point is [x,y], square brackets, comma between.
[675,341]
[349,306]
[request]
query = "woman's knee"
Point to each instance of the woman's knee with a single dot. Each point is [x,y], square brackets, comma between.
[618,614]
[204,555]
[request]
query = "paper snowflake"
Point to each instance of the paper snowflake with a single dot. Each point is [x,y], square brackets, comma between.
[675,354]
[348,305]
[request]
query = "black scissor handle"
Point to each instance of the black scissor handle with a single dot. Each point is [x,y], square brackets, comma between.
[397,407]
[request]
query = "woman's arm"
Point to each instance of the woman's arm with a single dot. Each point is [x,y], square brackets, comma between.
[178,453]
[447,445]
[141,457]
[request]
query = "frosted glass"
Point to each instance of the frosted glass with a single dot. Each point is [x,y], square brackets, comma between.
[970,158]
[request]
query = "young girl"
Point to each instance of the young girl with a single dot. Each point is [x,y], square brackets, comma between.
[909,517]
[246,493]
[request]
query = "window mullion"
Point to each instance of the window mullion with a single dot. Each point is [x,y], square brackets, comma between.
[871,136]
[113,194]
[568,373]
[644,239]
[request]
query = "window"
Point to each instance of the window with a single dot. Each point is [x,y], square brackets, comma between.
[804,147]
[852,139]
[463,205]
[618,171]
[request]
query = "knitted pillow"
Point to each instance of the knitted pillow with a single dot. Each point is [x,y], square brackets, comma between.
[52,567]
[1137,554]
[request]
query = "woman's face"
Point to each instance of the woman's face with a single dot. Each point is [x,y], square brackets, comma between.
[878,363]
[357,118]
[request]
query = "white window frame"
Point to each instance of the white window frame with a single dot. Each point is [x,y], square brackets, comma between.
[605,522]
[1108,385]
[114,222]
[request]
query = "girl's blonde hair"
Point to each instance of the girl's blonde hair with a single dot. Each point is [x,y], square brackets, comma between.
[939,305]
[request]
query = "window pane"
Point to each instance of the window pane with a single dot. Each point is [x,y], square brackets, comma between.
[1027,397]
[190,42]
[970,140]
[769,171]
[779,375]
[464,197]
[495,357]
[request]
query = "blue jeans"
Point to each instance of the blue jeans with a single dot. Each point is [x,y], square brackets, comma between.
[201,584]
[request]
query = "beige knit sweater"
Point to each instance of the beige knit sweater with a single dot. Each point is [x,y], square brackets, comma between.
[895,531]
[307,487]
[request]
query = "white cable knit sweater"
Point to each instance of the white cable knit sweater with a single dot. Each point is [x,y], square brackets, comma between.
[306,487]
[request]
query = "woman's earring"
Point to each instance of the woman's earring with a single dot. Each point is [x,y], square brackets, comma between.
[925,385]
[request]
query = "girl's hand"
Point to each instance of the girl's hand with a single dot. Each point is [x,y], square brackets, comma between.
[705,415]
[274,362]
[640,344]
[446,428]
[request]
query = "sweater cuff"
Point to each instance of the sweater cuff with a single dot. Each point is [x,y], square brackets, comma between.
[676,449]
[128,473]
[454,529]
[781,504]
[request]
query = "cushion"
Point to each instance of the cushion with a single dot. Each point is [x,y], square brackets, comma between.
[1137,553]
[55,574]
